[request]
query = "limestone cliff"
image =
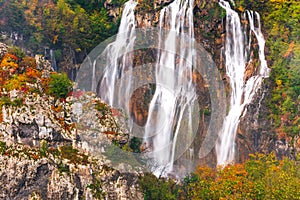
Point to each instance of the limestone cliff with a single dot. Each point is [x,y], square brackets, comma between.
[42,151]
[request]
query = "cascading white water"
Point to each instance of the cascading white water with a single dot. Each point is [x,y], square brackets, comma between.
[114,52]
[53,60]
[174,89]
[242,91]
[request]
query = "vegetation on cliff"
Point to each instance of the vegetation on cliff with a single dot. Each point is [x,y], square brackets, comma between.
[283,40]
[68,27]
[281,27]
[262,177]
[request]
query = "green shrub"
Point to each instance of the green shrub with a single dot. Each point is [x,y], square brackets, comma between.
[3,147]
[96,187]
[59,85]
[43,148]
[135,144]
[154,188]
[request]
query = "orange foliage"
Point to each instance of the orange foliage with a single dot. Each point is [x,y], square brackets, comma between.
[289,50]
[32,74]
[205,172]
[35,156]
[9,62]
[57,109]
[109,132]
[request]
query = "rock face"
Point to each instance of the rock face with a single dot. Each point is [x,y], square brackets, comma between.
[36,120]
[256,134]
[3,49]
[41,179]
[61,171]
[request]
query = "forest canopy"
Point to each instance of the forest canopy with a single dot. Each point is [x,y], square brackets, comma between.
[67,26]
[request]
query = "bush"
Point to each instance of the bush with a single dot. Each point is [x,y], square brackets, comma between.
[154,188]
[59,85]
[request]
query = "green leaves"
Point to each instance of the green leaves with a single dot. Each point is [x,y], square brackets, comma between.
[59,85]
[154,188]
[281,19]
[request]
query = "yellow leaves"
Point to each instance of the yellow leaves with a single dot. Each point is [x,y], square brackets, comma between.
[278,1]
[75,22]
[55,39]
[46,12]
[279,82]
[81,29]
[65,8]
[16,82]
[240,8]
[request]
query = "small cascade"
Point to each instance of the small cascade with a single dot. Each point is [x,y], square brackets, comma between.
[237,49]
[53,60]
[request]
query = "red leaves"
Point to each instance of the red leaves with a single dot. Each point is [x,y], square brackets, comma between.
[76,94]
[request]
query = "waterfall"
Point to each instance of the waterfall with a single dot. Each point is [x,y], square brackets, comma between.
[170,113]
[242,91]
[174,90]
[53,60]
[116,50]
[170,109]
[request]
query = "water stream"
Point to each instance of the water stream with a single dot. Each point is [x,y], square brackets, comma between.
[237,49]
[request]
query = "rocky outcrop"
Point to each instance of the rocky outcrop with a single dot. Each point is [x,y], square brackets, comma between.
[39,156]
[55,148]
[42,179]
[3,49]
[37,119]
[256,133]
